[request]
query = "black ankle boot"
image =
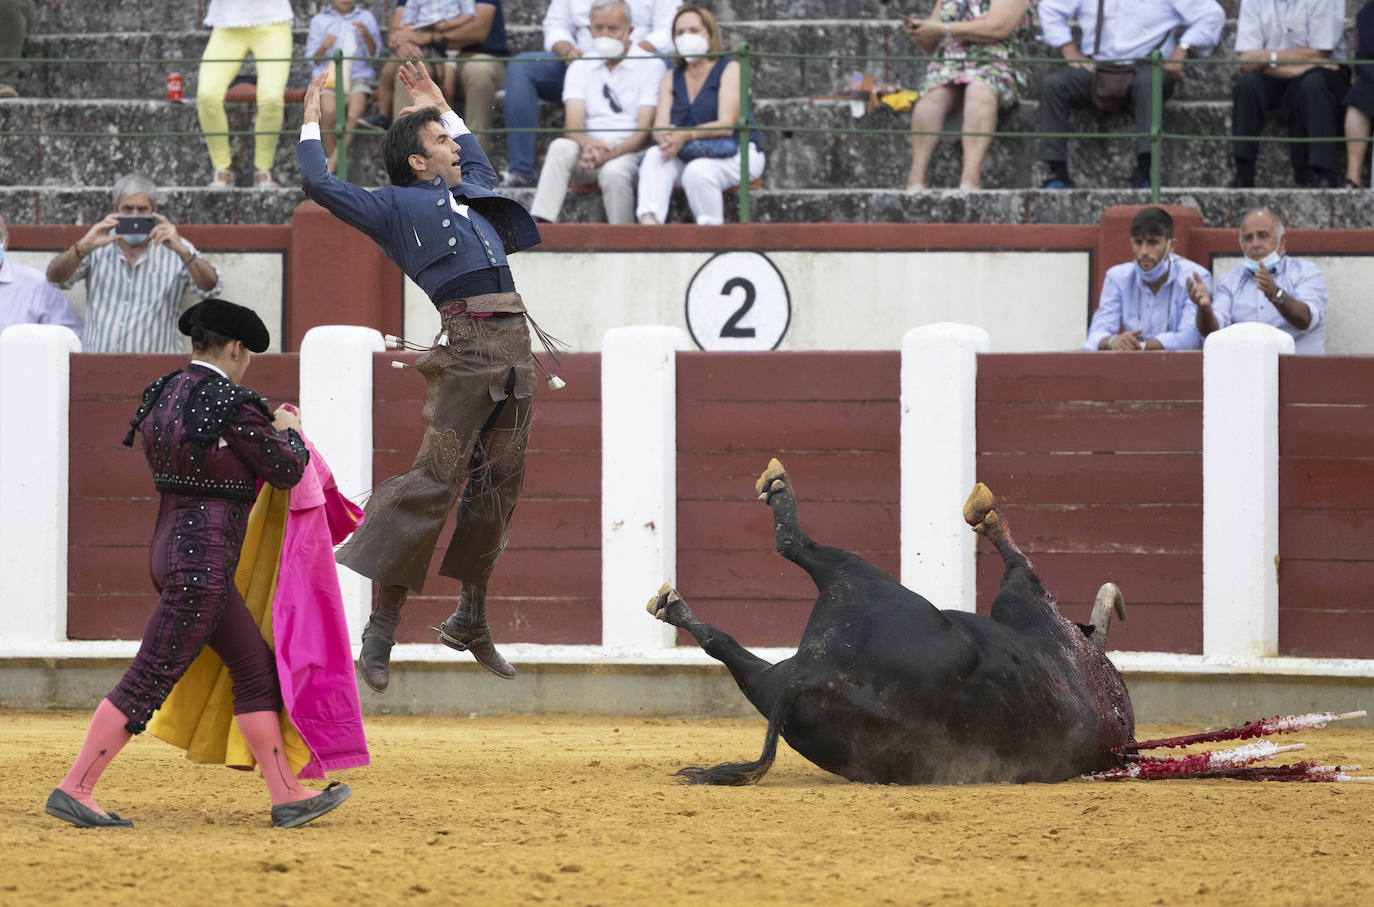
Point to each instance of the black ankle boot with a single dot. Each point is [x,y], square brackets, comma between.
[374,659]
[467,630]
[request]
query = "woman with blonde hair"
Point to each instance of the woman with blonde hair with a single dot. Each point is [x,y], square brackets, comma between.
[702,91]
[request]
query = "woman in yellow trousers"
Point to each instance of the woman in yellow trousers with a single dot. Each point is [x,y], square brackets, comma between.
[241,27]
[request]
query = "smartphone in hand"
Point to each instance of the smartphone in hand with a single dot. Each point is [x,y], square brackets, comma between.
[134,223]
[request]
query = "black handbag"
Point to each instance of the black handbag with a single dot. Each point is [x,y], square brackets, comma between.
[1111,81]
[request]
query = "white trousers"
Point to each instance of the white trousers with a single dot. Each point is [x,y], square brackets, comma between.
[704,180]
[616,178]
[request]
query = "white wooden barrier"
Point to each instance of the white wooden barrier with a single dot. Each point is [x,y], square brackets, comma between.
[336,413]
[1240,463]
[1240,490]
[939,461]
[35,395]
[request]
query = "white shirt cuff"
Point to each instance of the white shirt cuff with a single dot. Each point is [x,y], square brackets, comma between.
[454,124]
[310,131]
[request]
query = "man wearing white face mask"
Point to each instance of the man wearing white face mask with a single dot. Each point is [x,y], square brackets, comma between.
[135,282]
[1269,287]
[1144,303]
[614,99]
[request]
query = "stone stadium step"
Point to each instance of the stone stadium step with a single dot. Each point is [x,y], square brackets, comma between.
[96,142]
[145,77]
[1314,209]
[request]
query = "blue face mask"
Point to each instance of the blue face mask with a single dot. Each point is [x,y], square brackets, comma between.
[1270,260]
[1155,273]
[134,239]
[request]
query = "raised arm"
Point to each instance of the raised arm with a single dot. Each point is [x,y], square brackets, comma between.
[351,204]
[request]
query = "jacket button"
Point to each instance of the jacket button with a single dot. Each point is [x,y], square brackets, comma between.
[439,203]
[452,241]
[446,222]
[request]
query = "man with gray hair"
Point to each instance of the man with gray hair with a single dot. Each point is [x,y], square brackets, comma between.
[137,270]
[1269,287]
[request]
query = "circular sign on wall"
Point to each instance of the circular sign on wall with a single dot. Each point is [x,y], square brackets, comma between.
[738,301]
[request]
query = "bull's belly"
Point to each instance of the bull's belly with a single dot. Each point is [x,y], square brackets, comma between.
[883,743]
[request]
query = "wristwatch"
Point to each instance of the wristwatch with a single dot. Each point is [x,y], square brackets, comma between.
[1186,48]
[1273,59]
[1280,296]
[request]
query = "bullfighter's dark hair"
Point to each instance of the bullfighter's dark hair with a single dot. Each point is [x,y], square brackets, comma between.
[1152,222]
[402,140]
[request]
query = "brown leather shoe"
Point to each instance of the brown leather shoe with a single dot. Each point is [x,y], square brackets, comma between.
[374,662]
[476,640]
[467,631]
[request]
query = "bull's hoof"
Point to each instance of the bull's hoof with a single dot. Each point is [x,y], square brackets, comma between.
[668,606]
[980,510]
[773,480]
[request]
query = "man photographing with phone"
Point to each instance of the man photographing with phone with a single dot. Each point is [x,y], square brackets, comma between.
[137,269]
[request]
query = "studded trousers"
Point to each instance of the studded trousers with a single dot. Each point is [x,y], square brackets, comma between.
[192,560]
[477,415]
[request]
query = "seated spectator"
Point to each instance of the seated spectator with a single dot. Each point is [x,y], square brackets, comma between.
[413,32]
[26,297]
[702,92]
[241,27]
[613,98]
[1276,40]
[474,43]
[15,18]
[1125,32]
[984,34]
[1145,303]
[353,31]
[134,282]
[539,74]
[1269,287]
[1359,111]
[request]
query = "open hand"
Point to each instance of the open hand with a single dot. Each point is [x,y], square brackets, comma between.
[312,96]
[1197,291]
[417,81]
[99,235]
[165,234]
[1265,281]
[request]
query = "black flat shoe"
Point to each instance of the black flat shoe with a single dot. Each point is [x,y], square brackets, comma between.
[291,815]
[374,663]
[69,809]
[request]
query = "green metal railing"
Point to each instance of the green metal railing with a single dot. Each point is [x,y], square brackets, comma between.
[747,59]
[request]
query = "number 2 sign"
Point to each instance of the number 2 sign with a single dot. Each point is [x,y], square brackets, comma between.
[738,301]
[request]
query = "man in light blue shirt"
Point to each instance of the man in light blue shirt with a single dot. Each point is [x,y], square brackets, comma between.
[1269,287]
[27,298]
[1129,29]
[1145,303]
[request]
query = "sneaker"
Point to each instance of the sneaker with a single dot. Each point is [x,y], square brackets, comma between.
[7,91]
[223,179]
[514,181]
[1055,182]
[1138,182]
[375,122]
[262,180]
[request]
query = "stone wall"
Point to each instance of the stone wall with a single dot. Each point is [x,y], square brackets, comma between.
[80,123]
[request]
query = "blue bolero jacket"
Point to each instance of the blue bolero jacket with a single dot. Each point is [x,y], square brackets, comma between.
[415,224]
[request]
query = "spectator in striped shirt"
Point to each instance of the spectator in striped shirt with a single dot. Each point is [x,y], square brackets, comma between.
[135,283]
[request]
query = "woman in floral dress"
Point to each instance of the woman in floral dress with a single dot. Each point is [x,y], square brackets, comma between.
[977,38]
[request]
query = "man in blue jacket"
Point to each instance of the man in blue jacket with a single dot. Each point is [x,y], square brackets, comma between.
[445,228]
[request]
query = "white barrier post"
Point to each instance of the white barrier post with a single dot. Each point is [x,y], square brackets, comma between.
[1240,490]
[35,402]
[336,413]
[638,480]
[939,461]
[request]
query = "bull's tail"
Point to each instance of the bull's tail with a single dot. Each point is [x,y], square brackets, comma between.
[738,774]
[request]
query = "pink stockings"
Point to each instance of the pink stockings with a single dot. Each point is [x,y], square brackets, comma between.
[107,736]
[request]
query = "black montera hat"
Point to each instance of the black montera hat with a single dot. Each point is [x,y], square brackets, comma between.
[228,319]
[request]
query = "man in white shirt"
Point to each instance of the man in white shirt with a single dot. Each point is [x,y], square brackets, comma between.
[135,282]
[1281,44]
[614,99]
[1128,29]
[1145,303]
[1268,287]
[539,74]
[26,297]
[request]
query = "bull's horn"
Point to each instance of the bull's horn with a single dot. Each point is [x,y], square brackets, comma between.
[1109,599]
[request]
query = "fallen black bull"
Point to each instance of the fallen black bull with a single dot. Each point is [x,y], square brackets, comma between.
[887,688]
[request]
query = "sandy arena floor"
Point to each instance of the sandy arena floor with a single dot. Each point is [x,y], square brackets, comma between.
[582,811]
